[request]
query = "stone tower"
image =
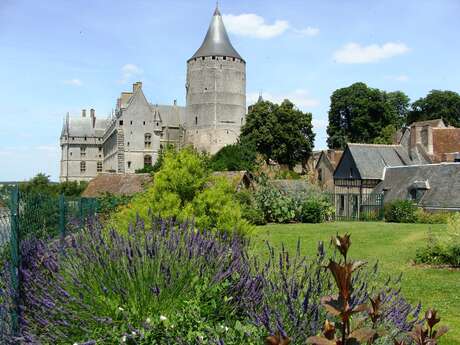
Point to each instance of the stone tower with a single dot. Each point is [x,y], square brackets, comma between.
[215,91]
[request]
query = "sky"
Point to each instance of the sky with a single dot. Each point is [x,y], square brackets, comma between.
[59,56]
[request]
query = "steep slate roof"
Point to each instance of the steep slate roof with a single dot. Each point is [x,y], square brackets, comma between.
[117,184]
[372,159]
[441,180]
[216,42]
[83,126]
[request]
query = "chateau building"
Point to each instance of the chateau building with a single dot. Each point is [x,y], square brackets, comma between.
[133,136]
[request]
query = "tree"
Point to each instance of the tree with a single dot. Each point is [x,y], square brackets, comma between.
[437,105]
[387,135]
[279,132]
[359,114]
[399,107]
[235,157]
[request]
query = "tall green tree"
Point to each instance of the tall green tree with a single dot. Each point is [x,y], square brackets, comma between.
[280,132]
[399,106]
[437,105]
[359,114]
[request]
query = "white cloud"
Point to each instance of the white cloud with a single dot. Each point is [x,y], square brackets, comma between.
[401,77]
[253,25]
[308,31]
[301,98]
[129,71]
[356,53]
[73,82]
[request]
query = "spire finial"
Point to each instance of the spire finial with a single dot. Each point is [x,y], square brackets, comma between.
[217,12]
[260,99]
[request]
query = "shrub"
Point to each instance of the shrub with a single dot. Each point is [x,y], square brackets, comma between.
[234,157]
[315,210]
[109,203]
[400,211]
[286,174]
[284,207]
[445,249]
[250,210]
[184,189]
[424,217]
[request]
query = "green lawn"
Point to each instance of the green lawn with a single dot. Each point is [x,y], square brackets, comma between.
[394,245]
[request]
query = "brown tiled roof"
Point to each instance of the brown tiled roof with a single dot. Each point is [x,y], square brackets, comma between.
[334,157]
[445,141]
[117,184]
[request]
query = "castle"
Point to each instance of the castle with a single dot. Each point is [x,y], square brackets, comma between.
[133,136]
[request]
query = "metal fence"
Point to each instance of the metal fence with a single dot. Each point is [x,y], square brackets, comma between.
[23,216]
[357,206]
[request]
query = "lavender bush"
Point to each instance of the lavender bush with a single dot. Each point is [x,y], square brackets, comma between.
[168,283]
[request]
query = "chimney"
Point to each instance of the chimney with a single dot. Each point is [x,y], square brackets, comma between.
[137,86]
[83,113]
[93,116]
[175,102]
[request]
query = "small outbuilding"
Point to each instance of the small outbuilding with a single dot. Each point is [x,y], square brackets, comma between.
[434,187]
[117,184]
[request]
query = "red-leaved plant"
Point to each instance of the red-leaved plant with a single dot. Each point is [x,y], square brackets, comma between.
[340,305]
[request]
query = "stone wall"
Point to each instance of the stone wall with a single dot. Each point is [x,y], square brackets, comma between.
[216,101]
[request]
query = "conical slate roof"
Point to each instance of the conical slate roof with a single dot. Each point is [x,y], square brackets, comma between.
[216,42]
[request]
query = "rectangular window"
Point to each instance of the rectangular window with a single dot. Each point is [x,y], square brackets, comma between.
[83,151]
[129,165]
[121,122]
[148,140]
[99,166]
[83,167]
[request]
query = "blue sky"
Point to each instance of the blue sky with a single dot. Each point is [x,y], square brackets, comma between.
[58,56]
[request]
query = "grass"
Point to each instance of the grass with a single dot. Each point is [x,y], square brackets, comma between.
[394,245]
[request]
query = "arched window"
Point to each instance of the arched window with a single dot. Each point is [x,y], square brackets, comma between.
[196,120]
[147,160]
[148,140]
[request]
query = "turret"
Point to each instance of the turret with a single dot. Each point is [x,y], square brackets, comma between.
[215,91]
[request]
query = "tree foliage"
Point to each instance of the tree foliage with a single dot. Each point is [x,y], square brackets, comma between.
[437,105]
[280,132]
[235,157]
[359,113]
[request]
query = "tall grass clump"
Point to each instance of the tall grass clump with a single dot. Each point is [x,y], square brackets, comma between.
[165,284]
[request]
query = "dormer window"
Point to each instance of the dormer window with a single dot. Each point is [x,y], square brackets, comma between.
[417,190]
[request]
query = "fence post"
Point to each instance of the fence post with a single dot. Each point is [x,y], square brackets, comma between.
[80,210]
[15,242]
[62,217]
